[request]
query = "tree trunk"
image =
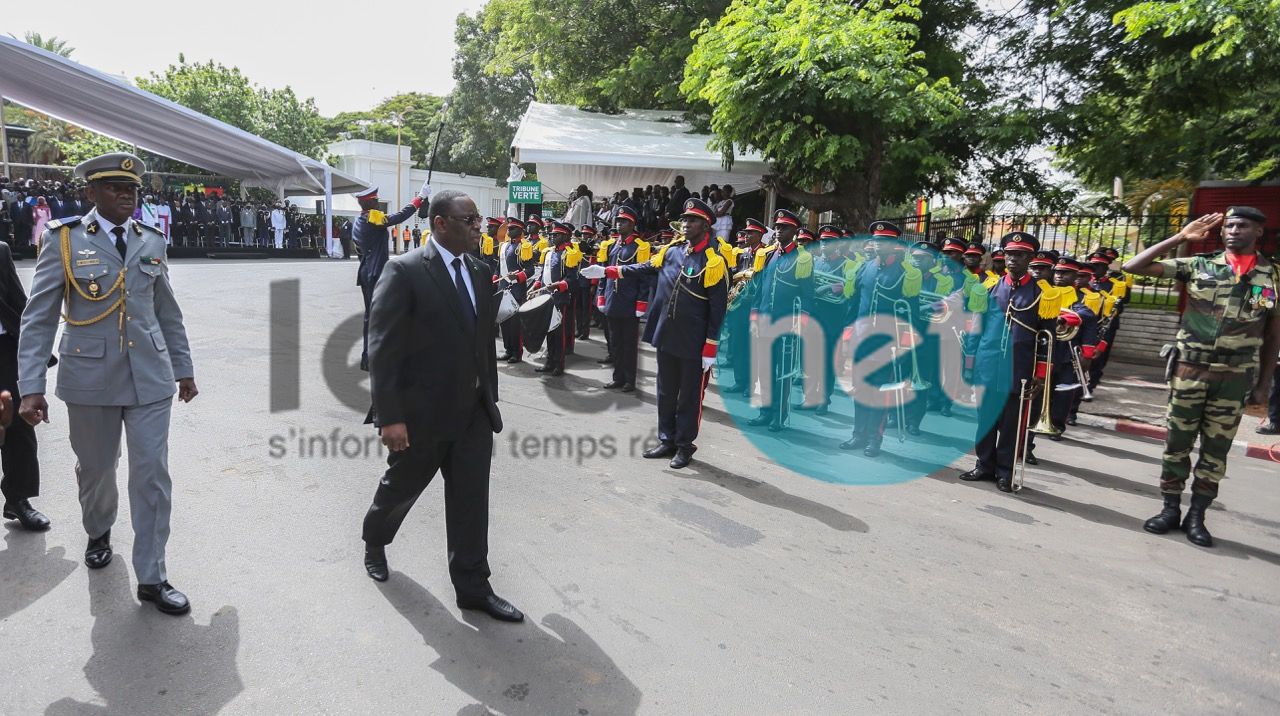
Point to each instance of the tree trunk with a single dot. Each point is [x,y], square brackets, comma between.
[855,196]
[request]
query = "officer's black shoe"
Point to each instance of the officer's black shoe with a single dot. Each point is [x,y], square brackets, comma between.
[976,475]
[607,360]
[98,554]
[1056,438]
[857,442]
[775,426]
[29,517]
[1005,484]
[872,449]
[1268,429]
[945,411]
[167,599]
[1193,524]
[891,421]
[629,388]
[558,371]
[822,410]
[737,389]
[375,562]
[805,407]
[913,430]
[515,359]
[1071,420]
[764,418]
[1031,459]
[504,357]
[1168,518]
[682,459]
[544,368]
[663,450]
[611,385]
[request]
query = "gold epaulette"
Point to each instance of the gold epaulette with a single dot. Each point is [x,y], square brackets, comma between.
[526,251]
[990,281]
[716,268]
[945,283]
[804,263]
[1093,301]
[912,280]
[486,245]
[643,251]
[377,218]
[977,295]
[572,256]
[1050,300]
[602,253]
[657,258]
[850,271]
[757,262]
[542,255]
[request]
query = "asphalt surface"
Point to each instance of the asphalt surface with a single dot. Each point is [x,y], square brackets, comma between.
[732,587]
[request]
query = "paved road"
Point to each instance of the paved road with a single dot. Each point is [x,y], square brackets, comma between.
[734,587]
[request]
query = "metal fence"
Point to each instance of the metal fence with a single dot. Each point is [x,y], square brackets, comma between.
[1075,235]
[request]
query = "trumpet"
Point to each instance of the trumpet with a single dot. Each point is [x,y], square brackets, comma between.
[741,282]
[934,307]
[823,281]
[1076,363]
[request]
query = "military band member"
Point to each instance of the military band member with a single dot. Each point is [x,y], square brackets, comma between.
[122,351]
[534,226]
[1067,386]
[583,289]
[684,323]
[997,262]
[555,277]
[1007,355]
[1116,290]
[625,301]
[751,258]
[371,232]
[1232,317]
[602,258]
[934,282]
[516,263]
[786,292]
[488,244]
[881,284]
[831,312]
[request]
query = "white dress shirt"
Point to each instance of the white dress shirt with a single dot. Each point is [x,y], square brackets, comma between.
[448,265]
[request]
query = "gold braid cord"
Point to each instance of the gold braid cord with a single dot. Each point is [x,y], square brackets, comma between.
[70,282]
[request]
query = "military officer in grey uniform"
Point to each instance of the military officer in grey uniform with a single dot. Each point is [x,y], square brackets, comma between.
[122,351]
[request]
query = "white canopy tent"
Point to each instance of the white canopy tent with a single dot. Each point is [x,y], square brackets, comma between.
[609,152]
[72,92]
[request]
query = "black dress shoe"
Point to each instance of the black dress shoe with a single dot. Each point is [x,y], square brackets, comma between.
[613,385]
[1072,420]
[26,515]
[515,359]
[857,442]
[872,449]
[976,475]
[494,606]
[775,426]
[682,459]
[167,599]
[663,450]
[98,554]
[504,357]
[945,411]
[607,360]
[764,418]
[1268,429]
[545,368]
[1005,484]
[375,562]
[913,430]
[557,372]
[629,388]
[1032,460]
[806,408]
[822,410]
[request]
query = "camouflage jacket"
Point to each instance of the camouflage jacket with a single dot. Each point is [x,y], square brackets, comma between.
[1226,315]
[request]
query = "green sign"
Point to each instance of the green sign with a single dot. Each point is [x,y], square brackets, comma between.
[524,192]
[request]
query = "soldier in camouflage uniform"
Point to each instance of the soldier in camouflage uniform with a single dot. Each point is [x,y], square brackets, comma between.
[1231,313]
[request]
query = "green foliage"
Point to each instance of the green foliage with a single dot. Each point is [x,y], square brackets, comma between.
[51,43]
[82,144]
[839,95]
[226,94]
[417,114]
[1180,89]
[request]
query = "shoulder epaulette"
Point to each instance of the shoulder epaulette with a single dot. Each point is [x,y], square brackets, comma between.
[804,264]
[643,251]
[154,229]
[67,221]
[990,281]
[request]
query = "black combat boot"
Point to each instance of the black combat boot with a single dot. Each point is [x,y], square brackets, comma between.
[1193,525]
[1168,517]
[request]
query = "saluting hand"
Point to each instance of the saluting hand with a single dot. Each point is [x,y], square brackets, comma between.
[187,390]
[1199,229]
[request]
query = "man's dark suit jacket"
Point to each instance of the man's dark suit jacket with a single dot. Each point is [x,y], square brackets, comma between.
[13,299]
[427,366]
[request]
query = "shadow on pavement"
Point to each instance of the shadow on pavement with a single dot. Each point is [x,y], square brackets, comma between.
[555,668]
[30,571]
[145,662]
[766,494]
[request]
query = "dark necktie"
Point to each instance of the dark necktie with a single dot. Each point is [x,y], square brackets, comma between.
[468,310]
[121,246]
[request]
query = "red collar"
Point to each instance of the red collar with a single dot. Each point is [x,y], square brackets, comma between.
[788,248]
[1241,264]
[975,271]
[1026,279]
[889,260]
[631,239]
[701,246]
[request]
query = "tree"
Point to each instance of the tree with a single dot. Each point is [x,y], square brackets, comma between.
[418,115]
[839,97]
[1180,89]
[52,44]
[607,54]
[226,94]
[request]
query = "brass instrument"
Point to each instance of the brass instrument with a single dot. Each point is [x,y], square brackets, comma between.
[823,281]
[741,282]
[934,307]
[1076,363]
[1020,437]
[1044,424]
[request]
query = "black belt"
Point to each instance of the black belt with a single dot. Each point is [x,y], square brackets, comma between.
[1193,355]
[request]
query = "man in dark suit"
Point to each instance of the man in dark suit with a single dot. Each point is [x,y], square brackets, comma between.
[433,371]
[21,479]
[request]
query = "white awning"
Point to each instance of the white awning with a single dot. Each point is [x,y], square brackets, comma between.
[103,103]
[608,152]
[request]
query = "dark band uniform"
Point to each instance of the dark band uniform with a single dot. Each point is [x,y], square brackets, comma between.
[516,264]
[623,302]
[371,235]
[785,294]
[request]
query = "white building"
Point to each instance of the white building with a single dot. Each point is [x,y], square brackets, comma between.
[375,163]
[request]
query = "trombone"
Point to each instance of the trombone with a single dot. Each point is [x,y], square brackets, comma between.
[1044,423]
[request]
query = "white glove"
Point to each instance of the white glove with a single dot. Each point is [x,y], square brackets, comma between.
[425,192]
[707,363]
[592,272]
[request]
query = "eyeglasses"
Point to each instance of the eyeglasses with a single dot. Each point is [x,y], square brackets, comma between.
[466,219]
